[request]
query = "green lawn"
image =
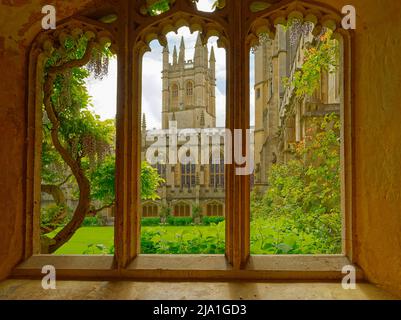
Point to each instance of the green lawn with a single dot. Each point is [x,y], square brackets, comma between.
[86,236]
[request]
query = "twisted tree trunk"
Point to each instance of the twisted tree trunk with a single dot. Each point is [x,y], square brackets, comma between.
[84,202]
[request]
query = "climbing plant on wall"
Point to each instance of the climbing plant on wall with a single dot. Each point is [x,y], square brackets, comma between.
[323,56]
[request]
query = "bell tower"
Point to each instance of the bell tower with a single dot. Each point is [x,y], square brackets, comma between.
[189,87]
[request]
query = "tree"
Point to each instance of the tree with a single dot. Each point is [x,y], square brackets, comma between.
[76,144]
[304,194]
[303,200]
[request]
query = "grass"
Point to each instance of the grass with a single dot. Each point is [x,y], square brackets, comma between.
[86,236]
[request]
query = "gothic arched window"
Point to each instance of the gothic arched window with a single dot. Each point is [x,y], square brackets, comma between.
[214,209]
[150,210]
[189,92]
[174,95]
[161,170]
[188,175]
[182,210]
[174,91]
[131,142]
[190,89]
[217,173]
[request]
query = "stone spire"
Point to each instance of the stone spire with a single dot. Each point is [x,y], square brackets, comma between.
[143,122]
[198,41]
[175,56]
[206,56]
[212,55]
[181,57]
[166,56]
[212,62]
[199,51]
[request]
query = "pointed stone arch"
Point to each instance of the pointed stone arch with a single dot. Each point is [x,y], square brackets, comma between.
[98,34]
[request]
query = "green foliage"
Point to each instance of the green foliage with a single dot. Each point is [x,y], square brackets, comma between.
[196,211]
[150,181]
[165,211]
[280,235]
[158,7]
[99,249]
[87,140]
[185,242]
[148,222]
[302,206]
[72,49]
[103,180]
[53,168]
[207,221]
[49,213]
[321,57]
[179,221]
[92,222]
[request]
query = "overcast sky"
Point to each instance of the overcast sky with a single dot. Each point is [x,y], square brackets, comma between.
[104,92]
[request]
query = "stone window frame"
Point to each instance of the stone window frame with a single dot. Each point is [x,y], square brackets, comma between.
[184,210]
[189,93]
[154,208]
[188,175]
[214,204]
[217,172]
[238,29]
[175,96]
[189,88]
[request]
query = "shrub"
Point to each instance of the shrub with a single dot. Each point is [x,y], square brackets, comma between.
[92,222]
[301,210]
[282,236]
[148,243]
[155,242]
[179,221]
[148,222]
[49,213]
[207,221]
[165,212]
[99,249]
[197,213]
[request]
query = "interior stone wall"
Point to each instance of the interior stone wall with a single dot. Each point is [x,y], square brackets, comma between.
[377,118]
[20,22]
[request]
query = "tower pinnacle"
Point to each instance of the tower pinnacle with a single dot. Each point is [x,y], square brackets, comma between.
[143,122]
[166,58]
[181,57]
[212,55]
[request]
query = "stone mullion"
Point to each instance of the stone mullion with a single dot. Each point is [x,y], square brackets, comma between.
[126,239]
[238,189]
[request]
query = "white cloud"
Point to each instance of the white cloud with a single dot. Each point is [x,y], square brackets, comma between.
[104,93]
[205,5]
[152,88]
